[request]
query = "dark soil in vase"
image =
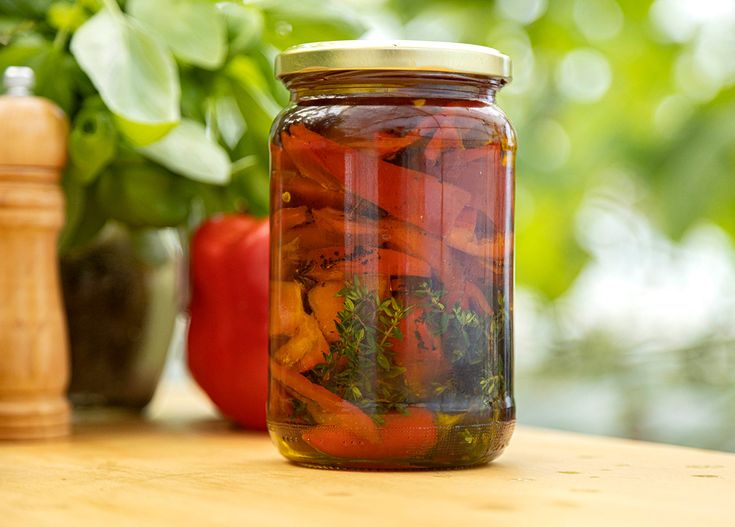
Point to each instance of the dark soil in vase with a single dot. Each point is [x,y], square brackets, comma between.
[107,295]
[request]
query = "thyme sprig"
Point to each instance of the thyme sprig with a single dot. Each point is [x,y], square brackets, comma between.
[360,367]
[470,342]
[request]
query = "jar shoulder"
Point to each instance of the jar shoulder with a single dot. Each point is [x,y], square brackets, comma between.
[476,124]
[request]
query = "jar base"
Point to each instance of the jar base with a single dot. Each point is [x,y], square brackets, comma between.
[457,447]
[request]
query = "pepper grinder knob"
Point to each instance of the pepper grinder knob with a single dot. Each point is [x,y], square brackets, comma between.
[19,81]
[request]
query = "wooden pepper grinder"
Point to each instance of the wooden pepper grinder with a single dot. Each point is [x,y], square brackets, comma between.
[34,354]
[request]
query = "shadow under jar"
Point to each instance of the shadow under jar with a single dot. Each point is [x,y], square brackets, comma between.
[392,183]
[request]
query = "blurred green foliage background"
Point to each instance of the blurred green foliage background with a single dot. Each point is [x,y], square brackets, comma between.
[625,112]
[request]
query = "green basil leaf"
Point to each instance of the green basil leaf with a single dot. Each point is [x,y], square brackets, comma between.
[25,8]
[224,118]
[142,194]
[134,73]
[193,29]
[230,122]
[290,22]
[142,134]
[84,216]
[27,52]
[91,5]
[244,26]
[55,70]
[12,26]
[66,17]
[83,87]
[250,179]
[253,185]
[250,90]
[92,142]
[74,198]
[265,56]
[188,151]
[194,94]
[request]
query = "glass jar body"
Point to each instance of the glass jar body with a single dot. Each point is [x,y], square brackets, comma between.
[121,300]
[391,272]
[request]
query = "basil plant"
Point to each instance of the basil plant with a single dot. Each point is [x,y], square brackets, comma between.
[170,101]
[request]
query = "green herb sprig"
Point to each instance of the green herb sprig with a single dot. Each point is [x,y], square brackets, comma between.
[470,341]
[361,367]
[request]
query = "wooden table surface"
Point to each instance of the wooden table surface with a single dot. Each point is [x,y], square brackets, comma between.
[179,470]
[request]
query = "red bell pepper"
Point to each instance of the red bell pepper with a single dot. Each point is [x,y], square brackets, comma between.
[228,332]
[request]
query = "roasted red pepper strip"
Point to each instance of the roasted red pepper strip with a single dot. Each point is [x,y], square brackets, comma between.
[281,159]
[462,234]
[479,271]
[445,262]
[288,218]
[486,184]
[326,407]
[449,131]
[413,434]
[451,269]
[383,143]
[332,263]
[335,221]
[442,134]
[306,348]
[326,303]
[419,351]
[310,236]
[299,190]
[280,402]
[283,220]
[481,162]
[408,195]
[286,316]
[461,237]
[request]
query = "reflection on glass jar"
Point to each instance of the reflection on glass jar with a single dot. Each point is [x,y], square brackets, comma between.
[392,257]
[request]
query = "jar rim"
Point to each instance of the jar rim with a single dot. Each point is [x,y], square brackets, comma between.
[393,55]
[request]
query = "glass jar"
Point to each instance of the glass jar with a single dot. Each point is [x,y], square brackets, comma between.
[392,182]
[121,299]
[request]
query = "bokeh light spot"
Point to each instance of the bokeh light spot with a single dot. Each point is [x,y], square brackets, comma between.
[523,11]
[598,19]
[584,75]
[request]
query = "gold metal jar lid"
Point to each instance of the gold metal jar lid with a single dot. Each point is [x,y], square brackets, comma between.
[393,55]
